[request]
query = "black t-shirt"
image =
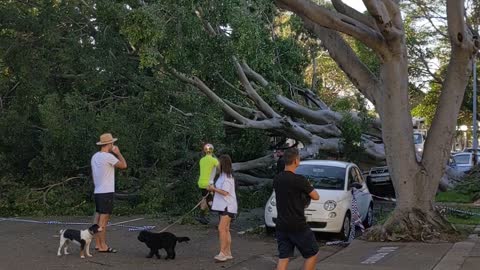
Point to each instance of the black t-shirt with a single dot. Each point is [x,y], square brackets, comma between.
[280,165]
[291,191]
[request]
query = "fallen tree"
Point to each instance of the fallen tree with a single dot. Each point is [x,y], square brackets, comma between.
[381,29]
[416,180]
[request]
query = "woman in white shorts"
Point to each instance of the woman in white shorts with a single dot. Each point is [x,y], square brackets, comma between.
[225,203]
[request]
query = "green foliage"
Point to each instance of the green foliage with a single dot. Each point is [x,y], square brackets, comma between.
[251,142]
[464,220]
[352,129]
[249,200]
[428,105]
[351,138]
[453,196]
[470,185]
[71,70]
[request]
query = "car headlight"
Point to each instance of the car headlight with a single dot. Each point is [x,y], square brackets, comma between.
[329,205]
[273,202]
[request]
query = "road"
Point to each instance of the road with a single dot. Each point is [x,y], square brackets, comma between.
[34,246]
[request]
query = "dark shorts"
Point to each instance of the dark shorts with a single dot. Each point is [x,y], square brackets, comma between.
[226,213]
[104,203]
[304,241]
[209,197]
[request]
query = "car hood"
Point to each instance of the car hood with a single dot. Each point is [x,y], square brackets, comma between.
[327,195]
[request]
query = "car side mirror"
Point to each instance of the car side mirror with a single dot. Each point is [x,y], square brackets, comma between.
[356,186]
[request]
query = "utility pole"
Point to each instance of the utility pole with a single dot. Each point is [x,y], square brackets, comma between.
[476,14]
[475,124]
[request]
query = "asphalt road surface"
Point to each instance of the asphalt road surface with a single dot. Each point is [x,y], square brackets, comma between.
[34,246]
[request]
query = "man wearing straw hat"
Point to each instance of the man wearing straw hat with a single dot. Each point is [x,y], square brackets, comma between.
[103,164]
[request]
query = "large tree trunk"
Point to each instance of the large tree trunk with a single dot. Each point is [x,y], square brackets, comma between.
[414,217]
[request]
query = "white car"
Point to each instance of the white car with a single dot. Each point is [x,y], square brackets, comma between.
[334,181]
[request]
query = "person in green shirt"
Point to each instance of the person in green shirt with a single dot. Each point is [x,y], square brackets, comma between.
[208,169]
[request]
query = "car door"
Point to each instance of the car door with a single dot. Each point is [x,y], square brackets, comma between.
[463,162]
[353,178]
[362,195]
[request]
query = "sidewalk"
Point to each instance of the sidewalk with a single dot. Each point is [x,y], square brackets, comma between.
[361,255]
[472,261]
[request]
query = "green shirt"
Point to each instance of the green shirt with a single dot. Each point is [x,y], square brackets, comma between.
[207,170]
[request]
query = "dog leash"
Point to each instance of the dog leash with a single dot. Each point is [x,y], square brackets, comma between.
[186,214]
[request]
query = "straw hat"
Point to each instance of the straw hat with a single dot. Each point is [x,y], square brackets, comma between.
[106,138]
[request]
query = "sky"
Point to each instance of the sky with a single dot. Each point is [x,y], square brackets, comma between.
[356,4]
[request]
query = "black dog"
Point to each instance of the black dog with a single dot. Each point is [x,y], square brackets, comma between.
[156,241]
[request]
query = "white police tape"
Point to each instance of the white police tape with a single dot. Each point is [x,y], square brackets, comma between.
[354,224]
[459,211]
[384,198]
[55,222]
[118,224]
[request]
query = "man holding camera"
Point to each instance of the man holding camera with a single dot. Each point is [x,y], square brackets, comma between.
[103,165]
[293,193]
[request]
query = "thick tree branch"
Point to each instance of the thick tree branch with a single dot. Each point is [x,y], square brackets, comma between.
[262,162]
[320,117]
[231,85]
[459,69]
[252,74]
[306,9]
[341,52]
[250,180]
[276,122]
[329,130]
[353,13]
[195,81]
[273,123]
[206,25]
[374,150]
[257,99]
[255,114]
[179,111]
[387,16]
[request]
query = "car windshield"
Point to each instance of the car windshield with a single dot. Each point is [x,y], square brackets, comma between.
[462,159]
[323,177]
[417,138]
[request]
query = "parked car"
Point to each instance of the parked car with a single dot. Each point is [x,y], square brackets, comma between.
[379,182]
[470,150]
[463,161]
[335,182]
[418,140]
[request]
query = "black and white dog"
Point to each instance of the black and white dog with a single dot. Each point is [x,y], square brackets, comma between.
[156,241]
[82,238]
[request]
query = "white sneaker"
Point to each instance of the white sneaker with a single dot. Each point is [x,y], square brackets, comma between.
[220,257]
[229,257]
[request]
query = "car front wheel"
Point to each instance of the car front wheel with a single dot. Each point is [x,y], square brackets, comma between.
[346,227]
[269,230]
[368,222]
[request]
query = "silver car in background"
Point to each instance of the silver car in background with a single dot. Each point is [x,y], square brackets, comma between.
[463,162]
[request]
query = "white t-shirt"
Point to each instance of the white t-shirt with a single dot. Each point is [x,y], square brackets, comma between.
[221,202]
[103,172]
